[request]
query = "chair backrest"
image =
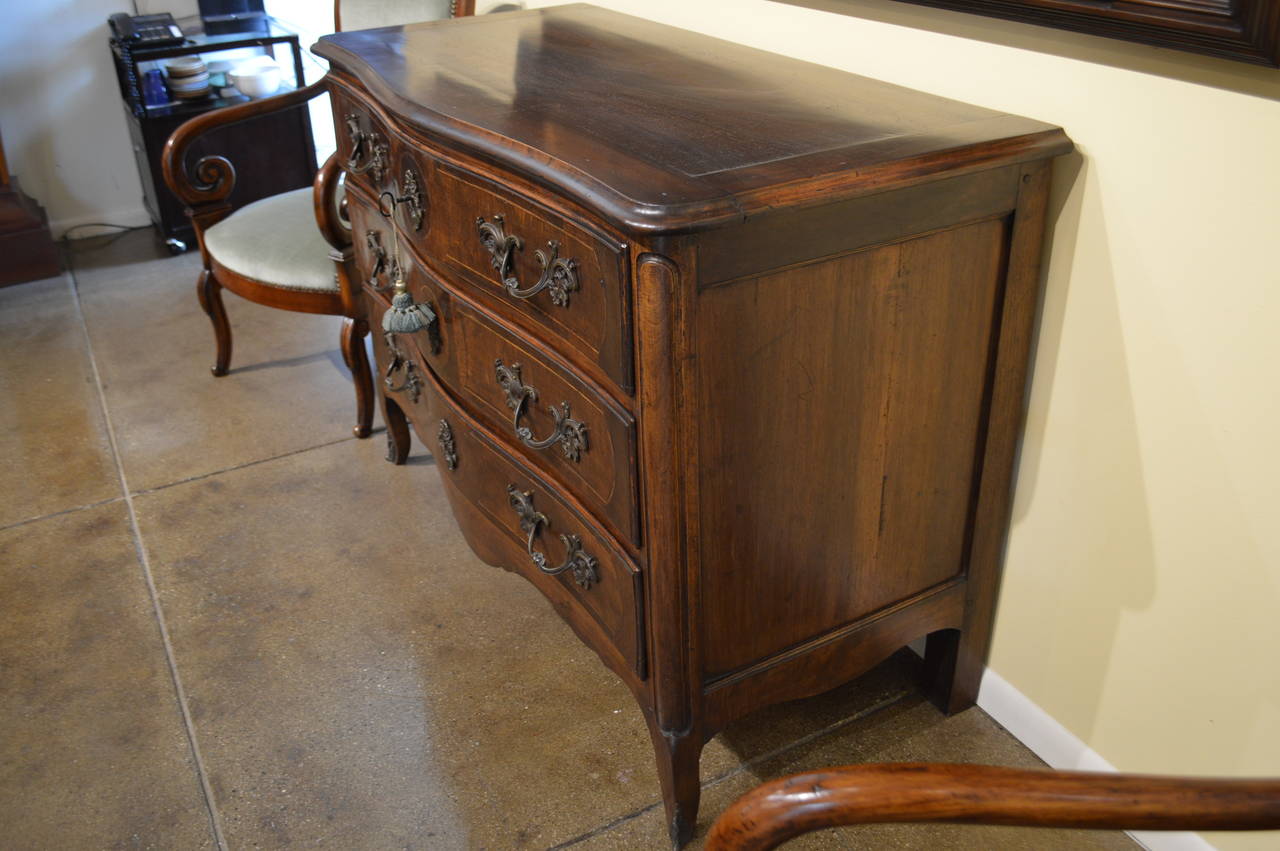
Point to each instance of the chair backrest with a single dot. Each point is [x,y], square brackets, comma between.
[366,14]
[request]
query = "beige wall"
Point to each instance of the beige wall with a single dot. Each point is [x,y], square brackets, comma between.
[1141,603]
[60,111]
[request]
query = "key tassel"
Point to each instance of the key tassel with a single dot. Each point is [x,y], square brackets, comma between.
[405,317]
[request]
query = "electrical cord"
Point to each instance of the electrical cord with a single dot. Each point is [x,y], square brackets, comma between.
[121,229]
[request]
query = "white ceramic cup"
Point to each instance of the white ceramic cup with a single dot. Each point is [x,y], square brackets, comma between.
[257,77]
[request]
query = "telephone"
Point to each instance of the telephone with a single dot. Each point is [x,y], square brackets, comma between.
[145,30]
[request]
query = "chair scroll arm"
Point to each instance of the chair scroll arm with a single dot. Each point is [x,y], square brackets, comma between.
[782,809]
[330,206]
[214,177]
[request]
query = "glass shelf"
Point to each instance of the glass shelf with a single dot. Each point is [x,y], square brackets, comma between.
[197,41]
[273,153]
[131,61]
[195,106]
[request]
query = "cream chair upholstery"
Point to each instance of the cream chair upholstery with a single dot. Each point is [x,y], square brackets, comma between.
[367,14]
[291,251]
[275,239]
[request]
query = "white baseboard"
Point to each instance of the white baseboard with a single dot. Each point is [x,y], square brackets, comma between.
[129,217]
[1061,749]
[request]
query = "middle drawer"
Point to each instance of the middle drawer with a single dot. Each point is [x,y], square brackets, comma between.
[522,391]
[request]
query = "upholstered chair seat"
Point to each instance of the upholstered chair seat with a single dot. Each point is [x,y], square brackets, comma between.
[366,14]
[275,241]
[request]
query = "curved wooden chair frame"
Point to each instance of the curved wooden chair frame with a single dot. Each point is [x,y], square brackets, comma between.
[783,809]
[206,191]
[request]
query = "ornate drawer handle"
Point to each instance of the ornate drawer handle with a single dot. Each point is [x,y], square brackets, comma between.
[411,384]
[411,195]
[585,568]
[559,275]
[363,143]
[569,433]
[373,239]
[448,450]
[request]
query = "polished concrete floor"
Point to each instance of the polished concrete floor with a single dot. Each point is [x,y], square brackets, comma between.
[227,623]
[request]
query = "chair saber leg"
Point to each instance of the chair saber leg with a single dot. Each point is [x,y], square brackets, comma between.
[209,292]
[353,352]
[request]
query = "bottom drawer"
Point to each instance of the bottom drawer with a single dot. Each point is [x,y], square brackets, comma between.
[512,517]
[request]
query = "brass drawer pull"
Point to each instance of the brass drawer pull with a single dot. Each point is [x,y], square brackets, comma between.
[568,432]
[363,144]
[585,568]
[411,195]
[411,384]
[373,239]
[448,450]
[559,275]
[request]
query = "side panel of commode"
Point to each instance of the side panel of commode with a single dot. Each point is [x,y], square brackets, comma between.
[841,412]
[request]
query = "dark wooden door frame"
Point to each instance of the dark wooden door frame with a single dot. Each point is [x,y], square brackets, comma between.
[1242,30]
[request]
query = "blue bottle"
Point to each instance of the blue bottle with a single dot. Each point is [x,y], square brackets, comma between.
[153,89]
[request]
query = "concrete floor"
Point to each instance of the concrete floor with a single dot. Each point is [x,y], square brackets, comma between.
[227,623]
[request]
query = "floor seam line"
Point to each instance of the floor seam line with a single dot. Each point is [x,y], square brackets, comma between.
[64,511]
[605,828]
[733,772]
[145,562]
[809,737]
[235,467]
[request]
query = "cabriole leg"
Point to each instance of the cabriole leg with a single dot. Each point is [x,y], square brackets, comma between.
[209,291]
[397,431]
[353,352]
[678,757]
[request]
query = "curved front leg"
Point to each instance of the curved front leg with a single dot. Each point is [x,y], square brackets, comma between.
[209,291]
[678,756]
[397,431]
[353,352]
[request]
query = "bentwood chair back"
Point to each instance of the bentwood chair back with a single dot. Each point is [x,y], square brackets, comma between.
[783,809]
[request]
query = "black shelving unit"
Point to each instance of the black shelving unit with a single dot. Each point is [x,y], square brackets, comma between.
[271,153]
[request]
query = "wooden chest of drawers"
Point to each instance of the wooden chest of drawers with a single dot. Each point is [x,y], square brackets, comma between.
[725,352]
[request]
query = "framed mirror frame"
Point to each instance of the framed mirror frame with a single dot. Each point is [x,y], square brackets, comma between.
[1243,30]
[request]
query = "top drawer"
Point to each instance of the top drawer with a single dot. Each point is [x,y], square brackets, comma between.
[544,271]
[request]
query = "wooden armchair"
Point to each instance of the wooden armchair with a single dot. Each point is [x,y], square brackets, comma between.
[291,251]
[783,809]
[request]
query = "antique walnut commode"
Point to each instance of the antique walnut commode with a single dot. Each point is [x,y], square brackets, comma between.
[725,352]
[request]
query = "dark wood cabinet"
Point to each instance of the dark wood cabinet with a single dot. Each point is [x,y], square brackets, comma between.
[25,241]
[725,352]
[271,153]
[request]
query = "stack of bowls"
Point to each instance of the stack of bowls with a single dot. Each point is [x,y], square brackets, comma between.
[188,77]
